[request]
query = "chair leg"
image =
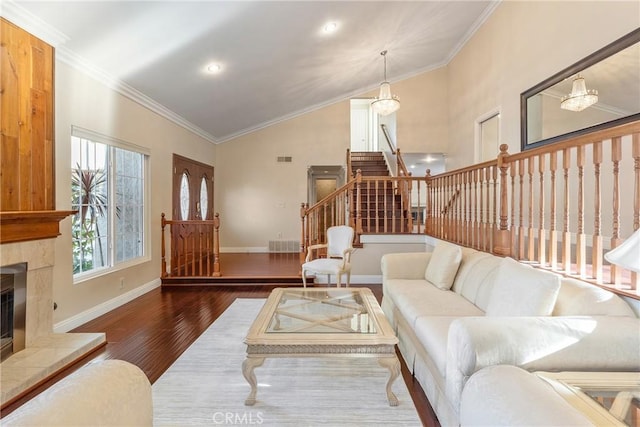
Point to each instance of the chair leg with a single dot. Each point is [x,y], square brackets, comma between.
[348,278]
[338,277]
[304,278]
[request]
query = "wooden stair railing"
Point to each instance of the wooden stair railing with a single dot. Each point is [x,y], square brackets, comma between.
[194,248]
[532,205]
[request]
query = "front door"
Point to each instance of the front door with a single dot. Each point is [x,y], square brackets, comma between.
[192,189]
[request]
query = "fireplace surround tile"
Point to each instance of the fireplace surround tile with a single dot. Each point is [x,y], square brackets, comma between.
[45,353]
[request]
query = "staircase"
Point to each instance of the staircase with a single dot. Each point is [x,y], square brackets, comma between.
[380,203]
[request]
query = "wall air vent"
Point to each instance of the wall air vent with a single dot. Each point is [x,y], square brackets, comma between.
[284,159]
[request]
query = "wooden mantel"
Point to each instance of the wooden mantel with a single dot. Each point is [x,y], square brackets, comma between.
[22,226]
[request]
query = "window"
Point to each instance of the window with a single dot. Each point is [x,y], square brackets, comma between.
[108,189]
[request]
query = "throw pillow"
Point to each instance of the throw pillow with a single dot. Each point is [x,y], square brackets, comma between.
[521,290]
[443,265]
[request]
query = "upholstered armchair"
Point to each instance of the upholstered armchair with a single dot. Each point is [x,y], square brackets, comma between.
[338,261]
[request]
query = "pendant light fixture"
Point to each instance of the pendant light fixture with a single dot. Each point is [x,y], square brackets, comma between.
[580,97]
[386,103]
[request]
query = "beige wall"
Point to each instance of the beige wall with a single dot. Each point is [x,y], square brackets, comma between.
[521,44]
[259,199]
[83,102]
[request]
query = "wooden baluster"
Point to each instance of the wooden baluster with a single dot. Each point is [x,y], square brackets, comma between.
[192,239]
[471,241]
[216,245]
[635,153]
[581,243]
[210,237]
[461,207]
[542,237]
[531,248]
[566,235]
[596,250]
[385,215]
[514,230]
[409,206]
[428,220]
[163,222]
[494,220]
[303,232]
[487,206]
[438,212]
[482,173]
[358,206]
[616,157]
[377,190]
[521,210]
[200,249]
[553,232]
[474,203]
[501,240]
[446,192]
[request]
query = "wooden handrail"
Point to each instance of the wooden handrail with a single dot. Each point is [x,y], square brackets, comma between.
[387,138]
[194,248]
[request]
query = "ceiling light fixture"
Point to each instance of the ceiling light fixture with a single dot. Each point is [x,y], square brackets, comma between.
[580,97]
[214,68]
[330,27]
[386,103]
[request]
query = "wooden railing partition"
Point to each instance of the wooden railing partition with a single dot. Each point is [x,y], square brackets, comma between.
[580,180]
[559,207]
[194,248]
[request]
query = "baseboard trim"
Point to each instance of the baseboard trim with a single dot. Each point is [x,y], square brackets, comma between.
[103,308]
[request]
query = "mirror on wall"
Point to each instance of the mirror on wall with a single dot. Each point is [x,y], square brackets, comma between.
[600,91]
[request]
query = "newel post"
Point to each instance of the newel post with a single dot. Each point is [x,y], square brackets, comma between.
[163,222]
[216,245]
[428,202]
[502,237]
[358,206]
[304,233]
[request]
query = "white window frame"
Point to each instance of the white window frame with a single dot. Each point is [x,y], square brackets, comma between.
[78,132]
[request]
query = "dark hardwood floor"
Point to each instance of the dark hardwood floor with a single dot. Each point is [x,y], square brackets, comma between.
[153,330]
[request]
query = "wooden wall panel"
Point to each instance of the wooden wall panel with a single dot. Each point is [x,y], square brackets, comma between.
[27,153]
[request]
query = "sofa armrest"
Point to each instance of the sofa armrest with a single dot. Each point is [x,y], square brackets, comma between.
[105,393]
[581,343]
[407,265]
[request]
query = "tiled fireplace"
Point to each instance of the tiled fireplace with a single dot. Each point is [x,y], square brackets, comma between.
[45,353]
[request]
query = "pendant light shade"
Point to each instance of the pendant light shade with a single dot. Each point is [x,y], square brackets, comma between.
[579,98]
[385,103]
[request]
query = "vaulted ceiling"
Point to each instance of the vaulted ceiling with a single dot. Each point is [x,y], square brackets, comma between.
[276,61]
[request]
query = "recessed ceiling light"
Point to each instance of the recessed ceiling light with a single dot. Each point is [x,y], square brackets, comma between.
[330,27]
[214,68]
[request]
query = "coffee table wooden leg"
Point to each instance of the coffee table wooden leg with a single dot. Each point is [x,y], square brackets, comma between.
[393,365]
[249,364]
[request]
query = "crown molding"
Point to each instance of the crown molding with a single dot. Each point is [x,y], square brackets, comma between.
[47,33]
[76,61]
[24,19]
[472,30]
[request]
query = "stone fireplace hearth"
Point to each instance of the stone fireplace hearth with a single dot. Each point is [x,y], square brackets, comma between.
[45,353]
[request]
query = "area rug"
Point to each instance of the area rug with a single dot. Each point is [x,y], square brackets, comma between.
[205,385]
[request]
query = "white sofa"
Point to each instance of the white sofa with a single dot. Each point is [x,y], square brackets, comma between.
[498,311]
[104,393]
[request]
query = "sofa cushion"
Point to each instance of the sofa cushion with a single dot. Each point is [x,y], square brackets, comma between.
[476,276]
[521,290]
[443,265]
[577,298]
[506,395]
[415,298]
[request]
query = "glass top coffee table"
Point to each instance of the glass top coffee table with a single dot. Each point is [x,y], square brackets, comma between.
[326,322]
[606,398]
